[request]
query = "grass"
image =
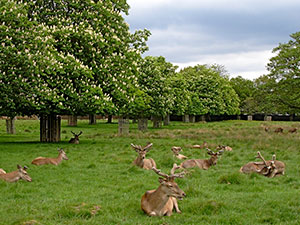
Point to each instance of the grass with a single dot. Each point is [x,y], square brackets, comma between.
[99,184]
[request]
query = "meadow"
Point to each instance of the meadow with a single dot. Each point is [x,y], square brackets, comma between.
[100,185]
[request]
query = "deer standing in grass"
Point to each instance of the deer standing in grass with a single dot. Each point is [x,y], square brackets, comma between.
[268,168]
[75,139]
[14,176]
[141,160]
[163,200]
[203,163]
[55,161]
[176,151]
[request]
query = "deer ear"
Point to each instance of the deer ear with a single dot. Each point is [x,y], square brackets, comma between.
[161,180]
[19,167]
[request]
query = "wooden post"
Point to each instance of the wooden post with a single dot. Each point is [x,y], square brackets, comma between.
[10,125]
[249,118]
[72,121]
[92,119]
[202,118]
[267,118]
[50,128]
[143,124]
[123,125]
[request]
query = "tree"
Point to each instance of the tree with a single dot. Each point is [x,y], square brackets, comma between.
[209,92]
[68,57]
[154,81]
[245,90]
[285,70]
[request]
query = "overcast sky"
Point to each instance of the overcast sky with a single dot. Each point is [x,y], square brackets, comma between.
[239,34]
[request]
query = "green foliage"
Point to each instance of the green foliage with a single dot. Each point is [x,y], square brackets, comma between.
[284,69]
[209,93]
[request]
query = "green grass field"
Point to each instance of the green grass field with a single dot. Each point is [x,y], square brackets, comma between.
[99,184]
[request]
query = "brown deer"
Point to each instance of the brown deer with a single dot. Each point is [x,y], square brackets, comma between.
[202,146]
[141,160]
[75,139]
[163,200]
[14,176]
[224,147]
[176,151]
[268,168]
[293,130]
[202,163]
[55,161]
[278,130]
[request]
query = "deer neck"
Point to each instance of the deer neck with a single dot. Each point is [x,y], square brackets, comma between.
[59,158]
[158,200]
[209,162]
[139,161]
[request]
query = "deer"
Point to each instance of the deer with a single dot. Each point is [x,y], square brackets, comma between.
[75,139]
[202,146]
[19,174]
[293,130]
[278,130]
[203,163]
[176,151]
[55,161]
[141,160]
[268,168]
[163,200]
[224,147]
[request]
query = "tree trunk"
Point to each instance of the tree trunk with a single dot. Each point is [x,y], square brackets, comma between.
[156,121]
[50,128]
[109,119]
[143,124]
[10,125]
[167,120]
[123,125]
[202,118]
[192,119]
[92,119]
[72,121]
[186,118]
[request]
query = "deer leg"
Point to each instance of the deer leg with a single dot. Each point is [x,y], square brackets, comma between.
[176,205]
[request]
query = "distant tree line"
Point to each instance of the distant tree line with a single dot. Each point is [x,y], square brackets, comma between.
[79,58]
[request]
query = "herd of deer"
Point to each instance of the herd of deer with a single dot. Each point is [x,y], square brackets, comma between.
[163,200]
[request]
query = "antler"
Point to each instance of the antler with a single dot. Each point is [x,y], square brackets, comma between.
[136,147]
[79,133]
[210,152]
[172,175]
[73,133]
[149,145]
[261,157]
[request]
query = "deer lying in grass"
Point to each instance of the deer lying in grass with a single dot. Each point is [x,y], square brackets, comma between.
[163,200]
[224,147]
[278,130]
[176,151]
[141,160]
[268,168]
[55,161]
[293,130]
[75,139]
[202,163]
[202,146]
[14,176]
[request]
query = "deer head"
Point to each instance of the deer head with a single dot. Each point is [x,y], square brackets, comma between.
[214,155]
[268,168]
[23,173]
[176,150]
[168,185]
[142,150]
[62,154]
